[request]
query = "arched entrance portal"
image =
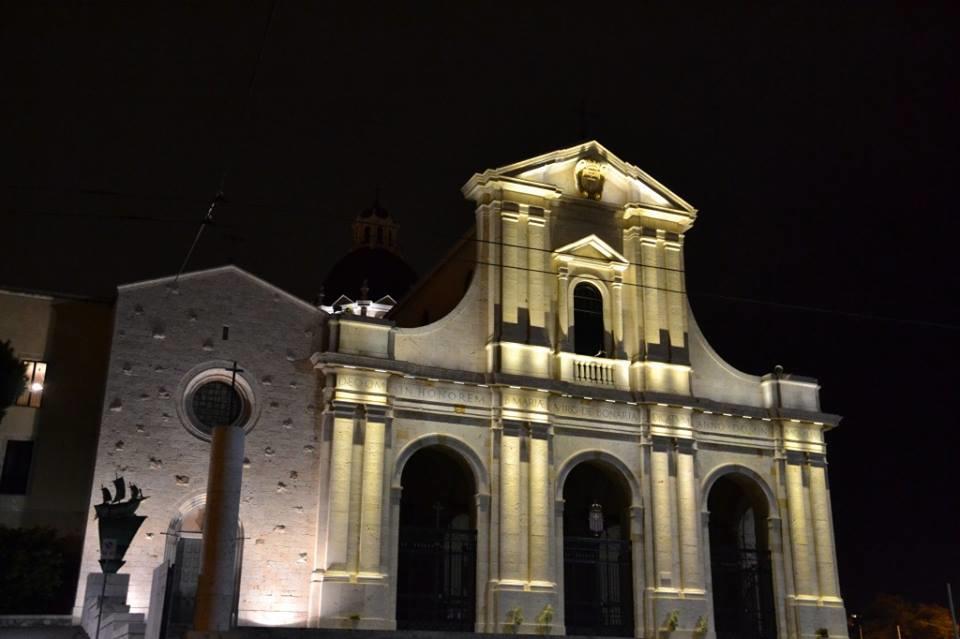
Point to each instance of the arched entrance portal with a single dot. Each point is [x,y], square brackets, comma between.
[597,565]
[742,578]
[184,541]
[437,554]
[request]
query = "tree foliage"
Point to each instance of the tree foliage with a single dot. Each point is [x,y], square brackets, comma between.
[916,621]
[31,577]
[11,377]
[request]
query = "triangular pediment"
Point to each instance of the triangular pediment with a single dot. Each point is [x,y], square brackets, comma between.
[230,274]
[558,174]
[592,249]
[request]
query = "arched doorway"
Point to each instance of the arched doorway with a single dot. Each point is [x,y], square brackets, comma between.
[183,559]
[597,561]
[437,550]
[740,567]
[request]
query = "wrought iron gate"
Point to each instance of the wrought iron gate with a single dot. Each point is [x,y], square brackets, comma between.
[743,594]
[436,580]
[598,586]
[181,595]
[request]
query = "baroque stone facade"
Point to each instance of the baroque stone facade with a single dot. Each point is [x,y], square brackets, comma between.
[589,420]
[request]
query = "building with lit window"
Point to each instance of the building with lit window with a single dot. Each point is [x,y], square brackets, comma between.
[557,449]
[48,437]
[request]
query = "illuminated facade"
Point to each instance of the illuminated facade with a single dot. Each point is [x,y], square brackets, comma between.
[562,452]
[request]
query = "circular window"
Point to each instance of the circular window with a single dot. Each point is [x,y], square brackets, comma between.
[214,397]
[217,404]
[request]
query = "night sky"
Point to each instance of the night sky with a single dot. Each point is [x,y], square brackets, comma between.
[819,144]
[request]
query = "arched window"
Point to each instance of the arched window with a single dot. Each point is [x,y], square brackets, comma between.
[588,333]
[366,235]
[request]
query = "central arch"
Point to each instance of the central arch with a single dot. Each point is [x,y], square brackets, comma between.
[598,570]
[437,542]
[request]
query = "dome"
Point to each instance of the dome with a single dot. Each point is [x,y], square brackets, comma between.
[384,272]
[374,263]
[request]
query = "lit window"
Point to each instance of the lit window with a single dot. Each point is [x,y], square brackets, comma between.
[34,376]
[16,467]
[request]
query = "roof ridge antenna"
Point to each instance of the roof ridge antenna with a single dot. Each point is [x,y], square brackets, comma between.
[228,165]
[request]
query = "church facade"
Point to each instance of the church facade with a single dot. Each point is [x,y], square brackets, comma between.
[560,453]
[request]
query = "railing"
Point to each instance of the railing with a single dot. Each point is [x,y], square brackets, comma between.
[598,590]
[743,601]
[591,371]
[436,587]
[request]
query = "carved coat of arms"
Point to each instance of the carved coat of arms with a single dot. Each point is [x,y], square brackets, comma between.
[589,174]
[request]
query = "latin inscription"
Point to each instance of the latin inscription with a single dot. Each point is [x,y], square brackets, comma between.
[733,425]
[441,393]
[356,382]
[570,407]
[663,418]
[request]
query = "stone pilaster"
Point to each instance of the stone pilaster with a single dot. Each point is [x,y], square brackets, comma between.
[664,535]
[823,531]
[691,560]
[340,474]
[804,567]
[537,254]
[540,572]
[372,493]
[512,537]
[563,310]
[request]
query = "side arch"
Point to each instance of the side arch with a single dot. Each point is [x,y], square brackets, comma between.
[781,572]
[636,499]
[480,475]
[773,510]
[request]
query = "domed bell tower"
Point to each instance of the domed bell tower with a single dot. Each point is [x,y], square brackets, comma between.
[375,228]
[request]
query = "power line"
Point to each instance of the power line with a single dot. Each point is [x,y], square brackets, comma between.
[231,158]
[719,296]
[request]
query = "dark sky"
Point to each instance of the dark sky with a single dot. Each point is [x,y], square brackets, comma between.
[818,142]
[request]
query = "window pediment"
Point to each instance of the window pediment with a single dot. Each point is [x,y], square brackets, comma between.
[592,251]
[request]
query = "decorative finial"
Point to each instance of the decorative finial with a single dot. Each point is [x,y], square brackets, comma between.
[320,296]
[364,290]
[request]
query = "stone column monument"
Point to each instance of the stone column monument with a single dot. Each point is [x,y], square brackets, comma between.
[215,588]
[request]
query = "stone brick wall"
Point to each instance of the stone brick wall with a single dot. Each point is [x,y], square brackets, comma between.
[162,338]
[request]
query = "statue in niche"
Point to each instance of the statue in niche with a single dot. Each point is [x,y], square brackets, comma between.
[589,174]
